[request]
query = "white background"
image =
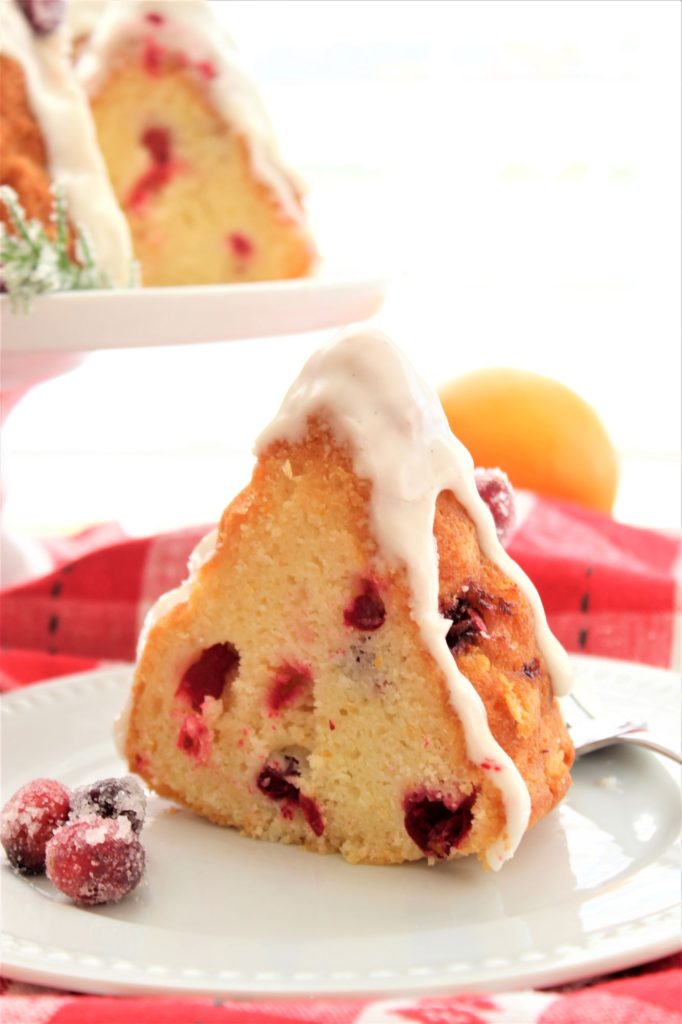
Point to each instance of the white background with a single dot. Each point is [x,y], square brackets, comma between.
[514,165]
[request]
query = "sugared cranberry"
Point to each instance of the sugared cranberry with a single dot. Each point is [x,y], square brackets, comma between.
[438,825]
[214,669]
[111,798]
[496,491]
[95,860]
[289,686]
[467,624]
[44,16]
[367,611]
[29,819]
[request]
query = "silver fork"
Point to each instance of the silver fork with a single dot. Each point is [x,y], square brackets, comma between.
[594,733]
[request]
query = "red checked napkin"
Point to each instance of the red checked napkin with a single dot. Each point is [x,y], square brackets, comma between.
[608,589]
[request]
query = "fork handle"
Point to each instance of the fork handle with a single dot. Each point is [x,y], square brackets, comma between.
[636,740]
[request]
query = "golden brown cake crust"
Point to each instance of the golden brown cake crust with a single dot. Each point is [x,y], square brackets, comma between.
[23,158]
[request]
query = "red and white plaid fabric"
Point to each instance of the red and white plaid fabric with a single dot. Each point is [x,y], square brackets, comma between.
[608,589]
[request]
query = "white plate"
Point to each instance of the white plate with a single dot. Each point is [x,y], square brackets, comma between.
[89,321]
[593,888]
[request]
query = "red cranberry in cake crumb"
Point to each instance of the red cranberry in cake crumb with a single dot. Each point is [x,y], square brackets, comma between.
[111,798]
[291,683]
[467,624]
[154,18]
[494,487]
[367,611]
[95,860]
[241,245]
[206,69]
[194,739]
[531,669]
[274,782]
[213,670]
[273,779]
[311,813]
[152,57]
[29,819]
[157,142]
[438,825]
[142,763]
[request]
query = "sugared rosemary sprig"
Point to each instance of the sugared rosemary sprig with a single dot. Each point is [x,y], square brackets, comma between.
[32,263]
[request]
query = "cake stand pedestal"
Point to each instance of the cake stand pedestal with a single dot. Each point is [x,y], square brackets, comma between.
[22,557]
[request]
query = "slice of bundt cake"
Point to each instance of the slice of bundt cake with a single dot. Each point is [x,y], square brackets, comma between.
[189,148]
[47,137]
[354,663]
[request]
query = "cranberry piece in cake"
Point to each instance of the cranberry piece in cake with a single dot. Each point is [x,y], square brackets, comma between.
[496,491]
[467,624]
[158,143]
[241,245]
[28,821]
[44,16]
[95,860]
[311,813]
[213,670]
[436,824]
[275,782]
[291,685]
[367,611]
[111,798]
[195,739]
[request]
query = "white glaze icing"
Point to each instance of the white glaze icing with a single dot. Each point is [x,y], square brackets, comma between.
[189,27]
[400,441]
[82,16]
[74,159]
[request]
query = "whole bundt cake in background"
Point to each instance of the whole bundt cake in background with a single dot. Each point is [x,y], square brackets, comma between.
[354,663]
[189,149]
[47,137]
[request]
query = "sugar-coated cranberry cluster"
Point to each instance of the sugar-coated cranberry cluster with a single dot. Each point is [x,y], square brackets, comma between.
[86,840]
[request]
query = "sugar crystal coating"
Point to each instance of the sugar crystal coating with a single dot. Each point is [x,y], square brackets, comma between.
[28,820]
[95,860]
[111,798]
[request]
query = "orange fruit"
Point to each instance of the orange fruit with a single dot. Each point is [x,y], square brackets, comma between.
[542,434]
